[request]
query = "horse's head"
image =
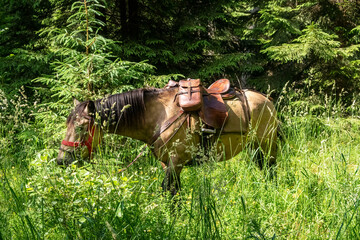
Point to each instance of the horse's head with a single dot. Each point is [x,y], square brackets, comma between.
[82,135]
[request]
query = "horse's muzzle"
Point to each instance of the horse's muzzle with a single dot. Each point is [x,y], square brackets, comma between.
[65,158]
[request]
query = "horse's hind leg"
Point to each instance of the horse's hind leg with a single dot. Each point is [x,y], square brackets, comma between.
[266,149]
[267,153]
[265,156]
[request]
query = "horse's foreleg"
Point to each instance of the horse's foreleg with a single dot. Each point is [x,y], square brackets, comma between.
[171,181]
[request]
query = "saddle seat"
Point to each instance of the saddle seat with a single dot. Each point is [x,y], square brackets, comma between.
[220,86]
[208,103]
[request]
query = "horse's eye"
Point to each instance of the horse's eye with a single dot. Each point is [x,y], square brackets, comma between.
[79,129]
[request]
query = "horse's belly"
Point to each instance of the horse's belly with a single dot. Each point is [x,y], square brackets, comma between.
[230,144]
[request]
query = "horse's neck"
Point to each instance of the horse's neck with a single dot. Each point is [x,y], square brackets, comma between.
[158,107]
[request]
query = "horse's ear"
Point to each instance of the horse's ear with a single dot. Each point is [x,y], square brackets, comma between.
[91,107]
[76,102]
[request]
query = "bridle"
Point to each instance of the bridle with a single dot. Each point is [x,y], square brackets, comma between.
[87,143]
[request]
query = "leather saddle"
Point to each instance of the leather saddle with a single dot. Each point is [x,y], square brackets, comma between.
[207,102]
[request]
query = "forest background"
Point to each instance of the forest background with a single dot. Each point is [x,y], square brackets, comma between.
[305,54]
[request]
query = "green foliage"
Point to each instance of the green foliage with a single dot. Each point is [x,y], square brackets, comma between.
[186,38]
[16,129]
[84,65]
[196,39]
[20,60]
[316,50]
[312,43]
[279,23]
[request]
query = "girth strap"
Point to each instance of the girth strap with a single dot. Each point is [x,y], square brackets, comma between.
[240,94]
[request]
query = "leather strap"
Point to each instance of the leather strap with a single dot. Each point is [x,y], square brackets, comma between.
[70,144]
[189,90]
[192,91]
[176,130]
[163,128]
[166,125]
[239,94]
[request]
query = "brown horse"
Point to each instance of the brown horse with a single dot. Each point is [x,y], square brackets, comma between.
[153,116]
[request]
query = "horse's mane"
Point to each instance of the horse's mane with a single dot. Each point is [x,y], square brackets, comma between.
[113,110]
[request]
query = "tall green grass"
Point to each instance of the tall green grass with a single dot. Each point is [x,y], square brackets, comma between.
[315,194]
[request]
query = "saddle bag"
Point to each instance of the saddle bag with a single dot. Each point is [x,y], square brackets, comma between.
[190,95]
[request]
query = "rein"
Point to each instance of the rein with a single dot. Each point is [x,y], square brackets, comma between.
[137,157]
[163,128]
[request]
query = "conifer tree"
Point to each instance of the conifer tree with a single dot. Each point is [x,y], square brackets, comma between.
[84,66]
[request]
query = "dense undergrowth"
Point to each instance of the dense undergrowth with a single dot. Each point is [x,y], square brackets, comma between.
[315,194]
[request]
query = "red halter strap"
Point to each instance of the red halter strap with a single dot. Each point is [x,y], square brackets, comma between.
[87,143]
[70,144]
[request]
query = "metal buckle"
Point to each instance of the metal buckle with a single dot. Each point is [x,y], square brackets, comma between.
[207,130]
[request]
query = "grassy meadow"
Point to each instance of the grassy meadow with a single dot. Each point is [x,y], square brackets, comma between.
[315,194]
